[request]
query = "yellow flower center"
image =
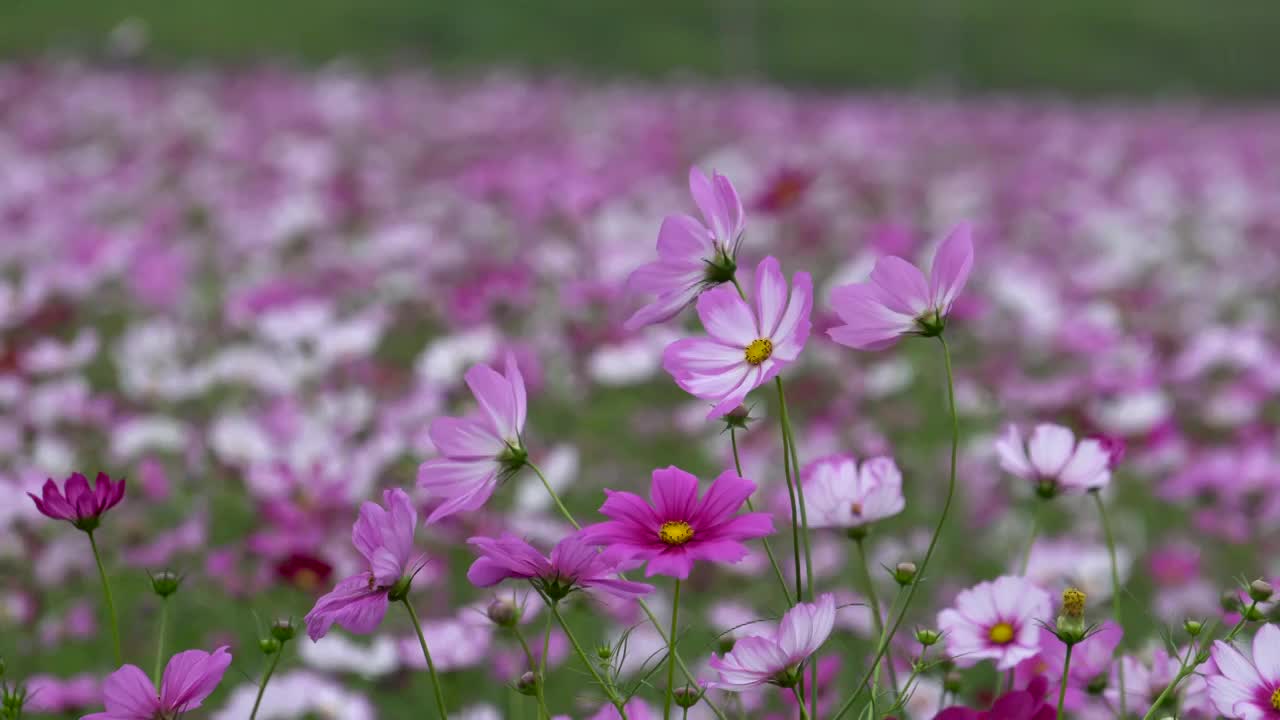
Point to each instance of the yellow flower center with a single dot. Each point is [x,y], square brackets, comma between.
[1001,633]
[759,350]
[1073,603]
[1275,700]
[675,532]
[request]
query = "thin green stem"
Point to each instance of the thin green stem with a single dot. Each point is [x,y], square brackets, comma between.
[671,651]
[111,603]
[878,620]
[582,655]
[789,435]
[533,667]
[554,497]
[164,620]
[804,714]
[266,678]
[768,548]
[1115,590]
[1189,667]
[933,542]
[431,666]
[1031,539]
[1062,688]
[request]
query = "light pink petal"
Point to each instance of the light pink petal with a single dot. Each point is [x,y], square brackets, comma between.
[619,588]
[352,604]
[951,266]
[902,286]
[1088,467]
[467,501]
[1050,447]
[729,201]
[726,316]
[128,693]
[1266,653]
[520,400]
[703,356]
[751,379]
[1013,457]
[683,238]
[715,387]
[190,677]
[403,519]
[793,327]
[366,533]
[449,478]
[869,323]
[710,203]
[770,297]
[494,394]
[977,604]
[668,304]
[486,572]
[674,493]
[1234,665]
[805,627]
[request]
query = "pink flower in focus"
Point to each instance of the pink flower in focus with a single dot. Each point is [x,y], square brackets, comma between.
[995,620]
[747,346]
[777,658]
[477,452]
[840,494]
[898,300]
[679,528]
[691,256]
[384,536]
[573,564]
[1245,688]
[77,503]
[1054,461]
[188,679]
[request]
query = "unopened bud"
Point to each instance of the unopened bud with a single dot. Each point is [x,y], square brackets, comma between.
[1260,590]
[1193,627]
[527,684]
[283,630]
[927,637]
[687,696]
[269,645]
[1070,626]
[503,613]
[165,583]
[905,573]
[737,418]
[953,682]
[604,652]
[1230,601]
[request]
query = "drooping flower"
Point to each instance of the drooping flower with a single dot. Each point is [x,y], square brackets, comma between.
[839,493]
[747,345]
[1054,461]
[1028,704]
[77,503]
[692,255]
[898,300]
[574,564]
[477,452]
[188,679]
[679,529]
[995,620]
[384,536]
[777,658]
[1248,688]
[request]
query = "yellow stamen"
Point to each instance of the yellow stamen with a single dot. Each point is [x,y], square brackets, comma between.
[759,350]
[1001,633]
[1275,700]
[675,532]
[1073,603]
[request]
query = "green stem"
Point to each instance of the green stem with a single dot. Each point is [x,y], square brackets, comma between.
[1031,540]
[164,620]
[878,621]
[1115,590]
[111,603]
[582,655]
[671,652]
[533,667]
[804,714]
[790,438]
[1189,667]
[431,666]
[266,678]
[554,497]
[1062,689]
[768,549]
[933,542]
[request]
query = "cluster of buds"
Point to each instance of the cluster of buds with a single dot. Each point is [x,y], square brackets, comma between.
[280,633]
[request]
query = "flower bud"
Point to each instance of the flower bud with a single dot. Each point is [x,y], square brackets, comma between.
[927,637]
[604,652]
[687,696]
[1253,614]
[1070,627]
[527,684]
[1260,590]
[1193,627]
[737,418]
[283,630]
[1097,685]
[269,645]
[1230,601]
[503,613]
[165,583]
[905,573]
[953,682]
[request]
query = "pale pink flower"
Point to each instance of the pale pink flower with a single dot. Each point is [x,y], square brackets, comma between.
[996,620]
[188,679]
[777,658]
[839,493]
[1054,461]
[1248,688]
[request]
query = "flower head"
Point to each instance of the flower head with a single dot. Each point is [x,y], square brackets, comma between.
[898,300]
[476,452]
[995,620]
[1245,687]
[574,564]
[747,345]
[1027,704]
[77,503]
[840,494]
[188,679]
[759,659]
[1053,460]
[693,255]
[678,528]
[384,536]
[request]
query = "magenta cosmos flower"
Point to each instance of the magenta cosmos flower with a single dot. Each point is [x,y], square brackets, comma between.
[1031,703]
[840,494]
[995,620]
[898,300]
[188,679]
[679,528]
[746,345]
[1053,460]
[574,564]
[384,536]
[777,658]
[477,452]
[1248,688]
[77,503]
[692,255]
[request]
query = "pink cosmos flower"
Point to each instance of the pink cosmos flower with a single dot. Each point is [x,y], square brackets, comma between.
[574,564]
[898,300]
[1054,461]
[77,503]
[840,494]
[479,451]
[188,679]
[777,658]
[384,536]
[1248,688]
[691,256]
[1029,704]
[995,620]
[679,528]
[747,345]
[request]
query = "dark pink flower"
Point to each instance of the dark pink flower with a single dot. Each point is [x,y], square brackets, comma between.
[1028,704]
[679,528]
[77,503]
[574,564]
[188,679]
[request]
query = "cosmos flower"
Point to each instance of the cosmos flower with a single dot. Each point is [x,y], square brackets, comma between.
[746,345]
[777,658]
[574,564]
[1146,678]
[898,300]
[1091,661]
[1053,460]
[477,452]
[692,255]
[77,503]
[188,679]
[384,536]
[840,494]
[995,620]
[1248,688]
[1028,704]
[679,529]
